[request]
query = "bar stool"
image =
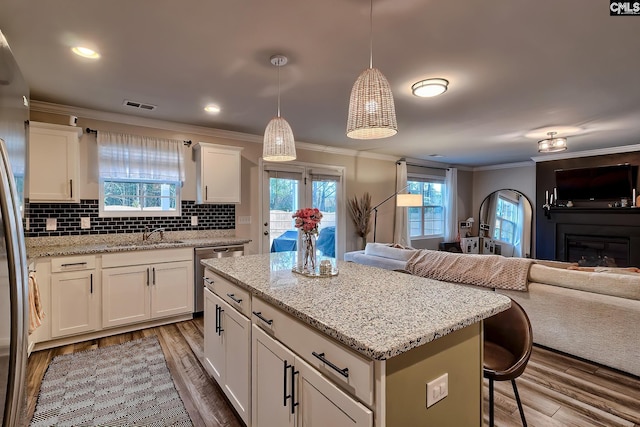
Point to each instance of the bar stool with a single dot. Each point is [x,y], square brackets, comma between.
[508,342]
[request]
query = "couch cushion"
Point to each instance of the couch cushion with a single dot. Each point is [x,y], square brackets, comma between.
[605,283]
[386,251]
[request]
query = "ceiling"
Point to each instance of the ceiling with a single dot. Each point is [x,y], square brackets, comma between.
[514,66]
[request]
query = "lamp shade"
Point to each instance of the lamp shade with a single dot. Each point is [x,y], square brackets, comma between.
[405,200]
[279,145]
[372,113]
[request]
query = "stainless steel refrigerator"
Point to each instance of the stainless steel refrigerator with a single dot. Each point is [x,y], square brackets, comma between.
[14,112]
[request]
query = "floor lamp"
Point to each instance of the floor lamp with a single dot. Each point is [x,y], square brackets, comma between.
[402,201]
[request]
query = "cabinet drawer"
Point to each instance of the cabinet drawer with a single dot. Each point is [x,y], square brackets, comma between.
[73,263]
[351,371]
[237,297]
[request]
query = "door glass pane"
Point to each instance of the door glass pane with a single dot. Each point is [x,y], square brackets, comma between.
[325,198]
[283,202]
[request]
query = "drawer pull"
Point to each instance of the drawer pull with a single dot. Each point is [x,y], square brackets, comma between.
[344,372]
[208,281]
[259,315]
[73,264]
[236,300]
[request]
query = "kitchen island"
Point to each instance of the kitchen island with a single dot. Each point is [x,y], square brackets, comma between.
[400,332]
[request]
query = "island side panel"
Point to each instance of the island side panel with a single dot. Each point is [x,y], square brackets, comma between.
[460,355]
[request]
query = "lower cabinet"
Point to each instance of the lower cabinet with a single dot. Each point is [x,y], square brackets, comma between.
[287,391]
[75,303]
[142,292]
[227,341]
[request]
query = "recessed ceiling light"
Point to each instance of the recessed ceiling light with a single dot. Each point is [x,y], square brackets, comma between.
[85,52]
[429,87]
[212,109]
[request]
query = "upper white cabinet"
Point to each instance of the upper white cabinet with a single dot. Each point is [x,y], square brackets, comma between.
[217,173]
[54,163]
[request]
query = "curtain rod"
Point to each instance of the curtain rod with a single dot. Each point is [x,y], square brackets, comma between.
[423,166]
[88,130]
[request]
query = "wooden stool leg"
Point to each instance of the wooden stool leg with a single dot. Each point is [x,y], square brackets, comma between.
[515,391]
[490,402]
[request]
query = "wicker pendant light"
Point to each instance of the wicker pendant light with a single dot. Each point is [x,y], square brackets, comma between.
[279,145]
[372,113]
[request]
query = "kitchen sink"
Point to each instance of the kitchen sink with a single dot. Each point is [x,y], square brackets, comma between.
[146,243]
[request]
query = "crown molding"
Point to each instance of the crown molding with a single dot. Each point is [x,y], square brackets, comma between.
[588,153]
[51,108]
[503,166]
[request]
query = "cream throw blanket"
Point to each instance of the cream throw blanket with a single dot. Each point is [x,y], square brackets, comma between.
[492,271]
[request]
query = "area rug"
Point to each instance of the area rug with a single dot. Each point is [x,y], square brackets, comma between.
[127,384]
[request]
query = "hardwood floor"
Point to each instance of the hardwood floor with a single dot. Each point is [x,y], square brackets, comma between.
[556,390]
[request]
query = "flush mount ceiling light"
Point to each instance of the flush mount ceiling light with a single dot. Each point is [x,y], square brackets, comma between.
[212,109]
[552,144]
[279,145]
[372,113]
[429,87]
[85,52]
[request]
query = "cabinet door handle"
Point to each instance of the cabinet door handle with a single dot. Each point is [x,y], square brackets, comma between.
[73,264]
[344,372]
[220,330]
[284,384]
[147,276]
[91,280]
[71,188]
[207,280]
[236,300]
[259,315]
[206,192]
[293,390]
[154,275]
[217,318]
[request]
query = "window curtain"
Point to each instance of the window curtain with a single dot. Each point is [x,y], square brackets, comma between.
[401,226]
[139,158]
[451,205]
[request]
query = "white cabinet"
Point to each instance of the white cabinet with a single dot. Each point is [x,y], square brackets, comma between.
[217,173]
[135,289]
[227,347]
[287,391]
[75,296]
[54,163]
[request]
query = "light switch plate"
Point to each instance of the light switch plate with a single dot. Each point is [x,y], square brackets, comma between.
[26,223]
[244,220]
[437,389]
[85,222]
[194,220]
[52,224]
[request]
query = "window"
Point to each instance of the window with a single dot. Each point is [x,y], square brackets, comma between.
[506,220]
[428,220]
[139,176]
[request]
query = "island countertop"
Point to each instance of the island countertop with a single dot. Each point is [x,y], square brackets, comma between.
[378,313]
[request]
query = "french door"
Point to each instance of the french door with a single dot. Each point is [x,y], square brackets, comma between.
[289,187]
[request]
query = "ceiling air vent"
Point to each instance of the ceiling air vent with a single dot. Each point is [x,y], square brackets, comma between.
[139,105]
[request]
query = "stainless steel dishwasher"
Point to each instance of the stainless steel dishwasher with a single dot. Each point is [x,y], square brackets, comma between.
[198,269]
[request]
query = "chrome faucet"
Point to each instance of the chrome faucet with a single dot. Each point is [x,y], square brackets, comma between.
[147,234]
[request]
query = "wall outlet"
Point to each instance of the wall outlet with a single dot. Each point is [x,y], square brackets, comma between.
[194,220]
[437,389]
[85,222]
[244,220]
[52,224]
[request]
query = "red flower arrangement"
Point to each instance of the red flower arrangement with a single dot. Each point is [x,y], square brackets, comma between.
[307,219]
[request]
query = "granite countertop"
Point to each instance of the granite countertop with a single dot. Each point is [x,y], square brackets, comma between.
[106,243]
[377,312]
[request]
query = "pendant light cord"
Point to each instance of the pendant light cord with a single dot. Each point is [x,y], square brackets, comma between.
[278,90]
[371,35]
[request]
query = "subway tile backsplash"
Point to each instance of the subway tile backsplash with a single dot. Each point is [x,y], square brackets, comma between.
[210,217]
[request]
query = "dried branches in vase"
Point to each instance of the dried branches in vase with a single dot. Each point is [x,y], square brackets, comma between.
[360,210]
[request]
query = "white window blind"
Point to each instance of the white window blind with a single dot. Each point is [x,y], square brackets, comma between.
[139,158]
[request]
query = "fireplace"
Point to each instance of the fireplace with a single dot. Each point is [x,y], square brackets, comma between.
[604,251]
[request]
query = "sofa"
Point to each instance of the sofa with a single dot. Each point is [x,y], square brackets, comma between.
[589,314]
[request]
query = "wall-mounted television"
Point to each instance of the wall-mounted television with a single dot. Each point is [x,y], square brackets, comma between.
[597,183]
